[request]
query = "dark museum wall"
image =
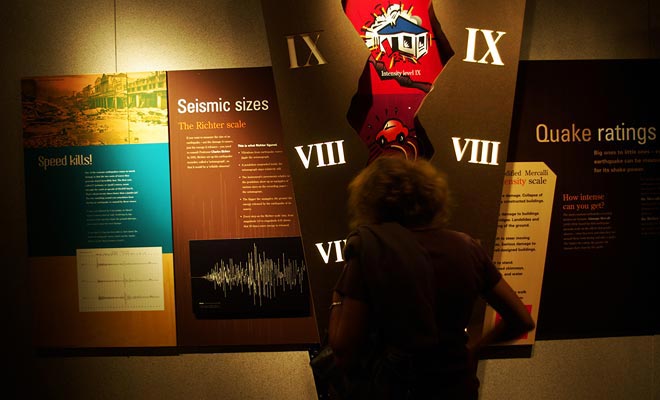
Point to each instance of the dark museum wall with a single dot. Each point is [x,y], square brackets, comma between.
[70,37]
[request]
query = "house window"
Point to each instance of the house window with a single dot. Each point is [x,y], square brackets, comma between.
[407,42]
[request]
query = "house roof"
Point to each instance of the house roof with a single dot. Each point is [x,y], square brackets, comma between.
[401,25]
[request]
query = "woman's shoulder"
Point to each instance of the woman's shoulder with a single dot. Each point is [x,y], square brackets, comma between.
[447,238]
[443,232]
[352,245]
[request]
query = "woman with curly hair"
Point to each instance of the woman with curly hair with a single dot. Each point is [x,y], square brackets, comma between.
[404,299]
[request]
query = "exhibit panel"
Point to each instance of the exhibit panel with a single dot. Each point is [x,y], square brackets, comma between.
[358,80]
[127,196]
[522,236]
[595,125]
[99,217]
[241,275]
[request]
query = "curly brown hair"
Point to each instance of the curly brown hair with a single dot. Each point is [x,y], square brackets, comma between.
[394,189]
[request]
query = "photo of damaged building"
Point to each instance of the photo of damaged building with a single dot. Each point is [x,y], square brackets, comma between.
[86,110]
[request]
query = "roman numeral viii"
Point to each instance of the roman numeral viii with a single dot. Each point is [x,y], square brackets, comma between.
[481,151]
[327,154]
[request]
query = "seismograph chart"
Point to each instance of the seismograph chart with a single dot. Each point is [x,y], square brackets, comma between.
[120,279]
[246,278]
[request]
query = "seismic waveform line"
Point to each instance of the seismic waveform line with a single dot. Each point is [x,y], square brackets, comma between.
[125,297]
[259,275]
[125,264]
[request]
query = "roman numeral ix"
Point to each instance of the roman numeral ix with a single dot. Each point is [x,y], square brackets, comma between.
[311,45]
[491,42]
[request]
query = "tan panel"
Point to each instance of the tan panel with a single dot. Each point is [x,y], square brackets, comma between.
[57,323]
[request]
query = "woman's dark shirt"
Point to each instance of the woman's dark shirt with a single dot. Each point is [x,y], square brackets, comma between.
[421,286]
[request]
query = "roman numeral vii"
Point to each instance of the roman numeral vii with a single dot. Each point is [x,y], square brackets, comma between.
[335,247]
